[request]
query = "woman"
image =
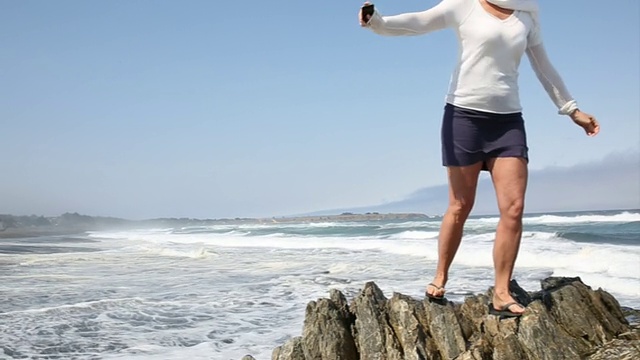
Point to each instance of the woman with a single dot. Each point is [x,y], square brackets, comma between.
[482,127]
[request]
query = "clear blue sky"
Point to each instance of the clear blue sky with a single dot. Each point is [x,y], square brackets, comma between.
[143,109]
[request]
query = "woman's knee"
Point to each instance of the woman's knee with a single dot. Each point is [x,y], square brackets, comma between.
[460,209]
[513,210]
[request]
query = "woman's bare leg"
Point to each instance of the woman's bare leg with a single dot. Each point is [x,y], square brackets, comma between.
[510,182]
[463,182]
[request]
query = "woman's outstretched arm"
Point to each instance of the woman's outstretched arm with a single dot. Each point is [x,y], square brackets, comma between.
[414,23]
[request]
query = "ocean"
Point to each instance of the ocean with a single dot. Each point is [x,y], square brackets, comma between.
[225,291]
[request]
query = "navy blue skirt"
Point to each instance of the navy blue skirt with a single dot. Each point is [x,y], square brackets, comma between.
[472,136]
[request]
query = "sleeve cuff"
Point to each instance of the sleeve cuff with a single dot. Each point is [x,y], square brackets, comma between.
[375,21]
[568,108]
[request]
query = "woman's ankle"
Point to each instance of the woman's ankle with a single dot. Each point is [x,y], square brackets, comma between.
[440,279]
[502,295]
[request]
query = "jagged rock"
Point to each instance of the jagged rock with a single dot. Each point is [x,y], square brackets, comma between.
[444,328]
[374,337]
[566,319]
[618,349]
[327,330]
[291,350]
[405,318]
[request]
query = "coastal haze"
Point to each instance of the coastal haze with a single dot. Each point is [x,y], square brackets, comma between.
[605,184]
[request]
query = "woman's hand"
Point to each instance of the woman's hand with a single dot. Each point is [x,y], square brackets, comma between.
[587,122]
[363,22]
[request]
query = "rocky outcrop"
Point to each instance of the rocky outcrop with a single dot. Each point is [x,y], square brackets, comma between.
[566,319]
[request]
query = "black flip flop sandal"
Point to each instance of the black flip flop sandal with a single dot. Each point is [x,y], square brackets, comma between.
[504,310]
[438,288]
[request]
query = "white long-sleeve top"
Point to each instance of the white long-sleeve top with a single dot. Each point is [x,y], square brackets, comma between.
[490,51]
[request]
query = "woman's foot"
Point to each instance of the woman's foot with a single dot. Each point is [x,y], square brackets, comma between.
[435,292]
[505,310]
[506,306]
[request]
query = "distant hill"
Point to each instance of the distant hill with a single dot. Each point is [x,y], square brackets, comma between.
[22,226]
[64,220]
[607,184]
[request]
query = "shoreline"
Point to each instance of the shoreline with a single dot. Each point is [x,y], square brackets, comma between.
[22,233]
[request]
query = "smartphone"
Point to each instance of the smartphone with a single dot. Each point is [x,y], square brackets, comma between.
[367,10]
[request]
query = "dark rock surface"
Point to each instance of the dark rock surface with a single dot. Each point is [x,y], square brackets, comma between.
[566,319]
